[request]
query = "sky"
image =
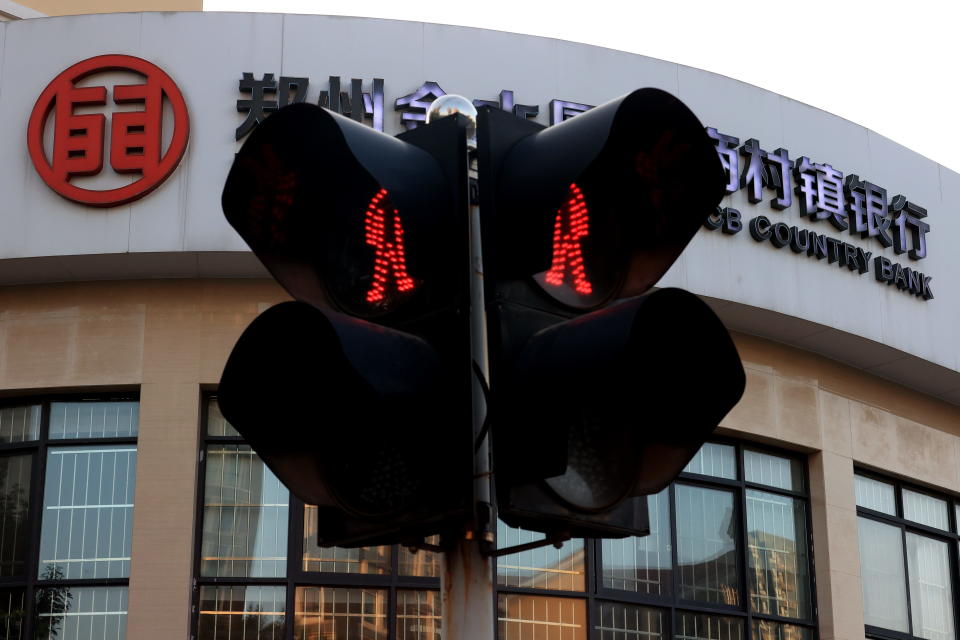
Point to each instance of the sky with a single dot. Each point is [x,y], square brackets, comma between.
[893,67]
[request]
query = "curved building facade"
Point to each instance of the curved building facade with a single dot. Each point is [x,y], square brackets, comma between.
[826,507]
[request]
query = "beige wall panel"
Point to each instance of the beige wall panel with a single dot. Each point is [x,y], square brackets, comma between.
[836,550]
[161,570]
[835,423]
[797,411]
[893,444]
[73,7]
[756,411]
[226,308]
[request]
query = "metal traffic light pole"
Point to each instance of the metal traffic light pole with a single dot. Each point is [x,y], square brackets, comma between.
[467,577]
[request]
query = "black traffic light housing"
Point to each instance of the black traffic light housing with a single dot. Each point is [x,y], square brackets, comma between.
[598,400]
[349,392]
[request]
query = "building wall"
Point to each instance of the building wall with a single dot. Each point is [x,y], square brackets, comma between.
[74,7]
[169,340]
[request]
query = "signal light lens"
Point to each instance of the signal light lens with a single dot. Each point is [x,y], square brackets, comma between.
[384,232]
[576,276]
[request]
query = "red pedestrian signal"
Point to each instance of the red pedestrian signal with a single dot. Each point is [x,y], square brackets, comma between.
[600,399]
[384,232]
[370,366]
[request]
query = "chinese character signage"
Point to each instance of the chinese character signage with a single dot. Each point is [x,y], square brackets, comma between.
[136,136]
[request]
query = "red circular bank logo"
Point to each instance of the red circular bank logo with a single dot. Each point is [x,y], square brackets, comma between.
[137,144]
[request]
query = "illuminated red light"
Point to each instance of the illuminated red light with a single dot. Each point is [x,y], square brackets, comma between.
[390,259]
[572,224]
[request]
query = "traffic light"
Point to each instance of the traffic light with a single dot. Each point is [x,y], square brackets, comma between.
[351,392]
[599,399]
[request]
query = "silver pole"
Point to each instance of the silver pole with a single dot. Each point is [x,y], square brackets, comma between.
[467,580]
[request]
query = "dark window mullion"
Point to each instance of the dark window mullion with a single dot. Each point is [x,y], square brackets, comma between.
[746,577]
[295,553]
[906,574]
[35,517]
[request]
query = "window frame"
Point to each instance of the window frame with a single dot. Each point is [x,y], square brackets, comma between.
[295,577]
[38,450]
[595,593]
[951,538]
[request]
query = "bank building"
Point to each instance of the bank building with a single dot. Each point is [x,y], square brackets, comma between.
[826,505]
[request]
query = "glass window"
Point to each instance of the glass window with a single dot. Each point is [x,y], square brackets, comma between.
[93,420]
[924,509]
[13,605]
[336,559]
[79,613]
[707,545]
[217,425]
[642,565]
[87,512]
[705,626]
[418,615]
[86,455]
[712,459]
[770,630]
[250,613]
[541,617]
[777,555]
[775,471]
[882,575]
[876,495]
[931,595]
[20,424]
[424,564]
[247,542]
[542,568]
[245,515]
[726,545]
[14,510]
[906,574]
[620,621]
[735,553]
[328,613]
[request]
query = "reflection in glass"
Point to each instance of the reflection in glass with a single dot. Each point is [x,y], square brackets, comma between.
[19,424]
[14,509]
[713,459]
[12,609]
[93,419]
[629,622]
[774,471]
[88,511]
[244,516]
[876,495]
[250,613]
[543,568]
[777,555]
[418,615]
[703,626]
[642,565]
[520,617]
[337,559]
[81,613]
[328,613]
[707,545]
[931,594]
[217,425]
[882,579]
[925,509]
[425,564]
[769,630]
